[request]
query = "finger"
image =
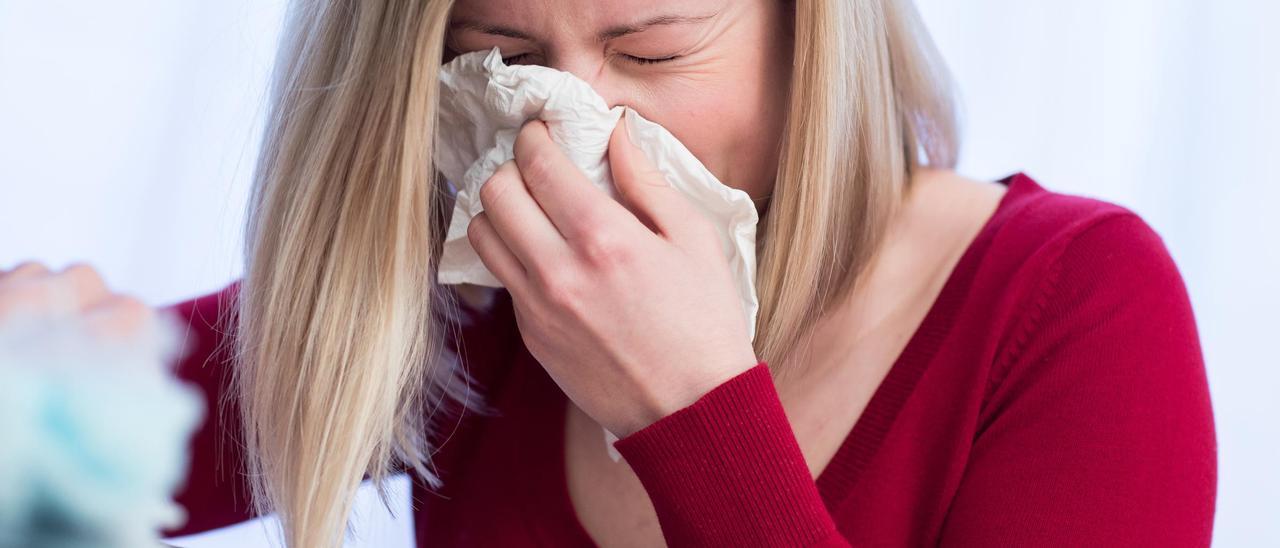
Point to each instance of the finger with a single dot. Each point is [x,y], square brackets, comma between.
[118,317]
[87,287]
[575,206]
[37,296]
[495,255]
[517,219]
[645,190]
[27,270]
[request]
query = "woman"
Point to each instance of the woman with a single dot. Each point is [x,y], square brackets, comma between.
[939,360]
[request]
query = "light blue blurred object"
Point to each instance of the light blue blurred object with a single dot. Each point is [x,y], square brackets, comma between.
[93,435]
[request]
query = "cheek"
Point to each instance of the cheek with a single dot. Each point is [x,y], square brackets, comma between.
[730,125]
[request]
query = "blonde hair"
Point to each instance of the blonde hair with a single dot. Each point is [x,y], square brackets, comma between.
[341,329]
[869,95]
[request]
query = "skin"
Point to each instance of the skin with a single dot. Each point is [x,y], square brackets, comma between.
[618,302]
[30,290]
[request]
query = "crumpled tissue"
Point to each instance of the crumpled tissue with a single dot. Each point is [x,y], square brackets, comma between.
[483,104]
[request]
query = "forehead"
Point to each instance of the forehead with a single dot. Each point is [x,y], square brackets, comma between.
[544,18]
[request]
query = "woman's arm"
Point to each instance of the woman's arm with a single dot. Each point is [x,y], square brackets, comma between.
[728,471]
[1098,430]
[215,493]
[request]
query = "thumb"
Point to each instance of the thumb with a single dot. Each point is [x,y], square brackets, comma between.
[643,188]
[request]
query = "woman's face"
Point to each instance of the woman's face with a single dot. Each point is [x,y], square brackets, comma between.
[713,72]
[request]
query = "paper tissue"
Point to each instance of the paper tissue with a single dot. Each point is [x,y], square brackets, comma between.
[483,104]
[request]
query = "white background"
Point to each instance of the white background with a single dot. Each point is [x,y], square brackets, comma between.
[128,131]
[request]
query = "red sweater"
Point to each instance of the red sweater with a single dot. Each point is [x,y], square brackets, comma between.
[1054,394]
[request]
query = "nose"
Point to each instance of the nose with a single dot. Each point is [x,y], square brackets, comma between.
[593,69]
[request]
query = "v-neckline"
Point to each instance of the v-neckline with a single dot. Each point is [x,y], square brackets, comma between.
[857,449]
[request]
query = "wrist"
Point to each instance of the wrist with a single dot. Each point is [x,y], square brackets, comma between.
[680,396]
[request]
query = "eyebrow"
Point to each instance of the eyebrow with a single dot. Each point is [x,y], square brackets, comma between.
[604,36]
[623,30]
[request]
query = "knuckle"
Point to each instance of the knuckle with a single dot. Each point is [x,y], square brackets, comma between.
[30,268]
[32,299]
[538,170]
[474,229]
[121,316]
[83,273]
[560,290]
[603,248]
[79,268]
[131,307]
[493,190]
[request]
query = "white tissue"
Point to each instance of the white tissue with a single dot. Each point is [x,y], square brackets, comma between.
[483,104]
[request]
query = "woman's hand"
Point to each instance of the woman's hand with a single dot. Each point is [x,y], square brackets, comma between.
[30,291]
[630,307]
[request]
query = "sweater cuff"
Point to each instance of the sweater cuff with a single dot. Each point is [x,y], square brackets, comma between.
[727,470]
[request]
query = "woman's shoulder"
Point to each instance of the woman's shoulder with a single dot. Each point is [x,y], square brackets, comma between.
[1085,281]
[214,493]
[1020,225]
[1034,219]
[1039,236]
[1095,372]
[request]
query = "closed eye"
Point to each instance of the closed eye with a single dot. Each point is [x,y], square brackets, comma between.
[523,57]
[649,60]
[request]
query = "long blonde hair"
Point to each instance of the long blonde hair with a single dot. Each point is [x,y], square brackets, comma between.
[340,330]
